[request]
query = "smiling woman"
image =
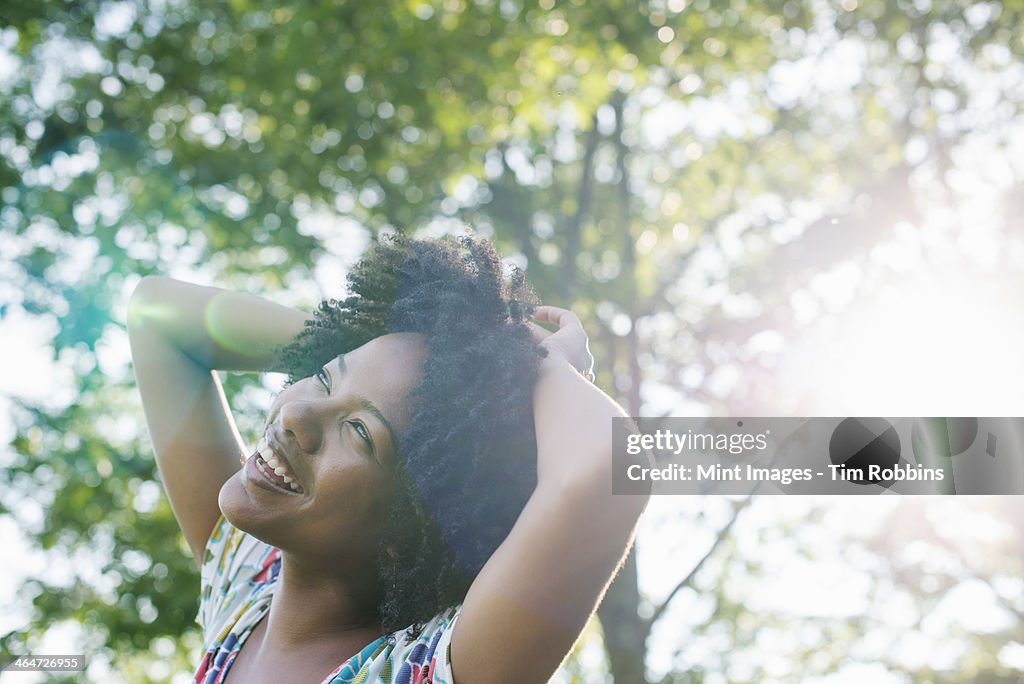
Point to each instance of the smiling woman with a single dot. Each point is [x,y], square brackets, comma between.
[431,497]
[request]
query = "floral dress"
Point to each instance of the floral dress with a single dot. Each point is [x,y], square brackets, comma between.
[239,575]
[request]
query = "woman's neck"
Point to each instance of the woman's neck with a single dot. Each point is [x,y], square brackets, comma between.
[314,605]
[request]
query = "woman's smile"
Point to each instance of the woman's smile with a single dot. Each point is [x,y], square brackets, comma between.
[269,469]
[259,473]
[277,463]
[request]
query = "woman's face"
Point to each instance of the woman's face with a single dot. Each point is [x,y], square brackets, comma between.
[334,437]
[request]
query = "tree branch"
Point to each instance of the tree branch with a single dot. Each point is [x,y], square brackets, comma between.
[686,581]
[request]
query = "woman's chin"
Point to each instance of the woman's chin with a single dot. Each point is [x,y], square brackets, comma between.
[237,505]
[247,511]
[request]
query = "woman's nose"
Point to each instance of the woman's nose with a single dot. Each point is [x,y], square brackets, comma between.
[301,422]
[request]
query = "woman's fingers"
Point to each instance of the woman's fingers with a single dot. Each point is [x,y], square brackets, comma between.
[538,333]
[569,341]
[557,316]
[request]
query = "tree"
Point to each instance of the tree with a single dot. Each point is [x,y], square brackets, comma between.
[683,173]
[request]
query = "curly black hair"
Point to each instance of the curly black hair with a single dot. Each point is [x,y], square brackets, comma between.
[468,459]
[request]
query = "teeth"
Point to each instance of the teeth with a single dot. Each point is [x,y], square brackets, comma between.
[267,454]
[291,484]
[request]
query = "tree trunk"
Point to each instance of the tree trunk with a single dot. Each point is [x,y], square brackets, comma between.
[625,633]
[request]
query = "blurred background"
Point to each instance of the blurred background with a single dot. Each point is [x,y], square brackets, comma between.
[778,208]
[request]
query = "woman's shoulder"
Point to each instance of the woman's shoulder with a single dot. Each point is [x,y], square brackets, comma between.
[430,634]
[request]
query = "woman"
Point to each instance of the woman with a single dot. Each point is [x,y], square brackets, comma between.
[431,498]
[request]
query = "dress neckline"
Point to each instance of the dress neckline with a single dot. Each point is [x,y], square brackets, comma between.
[262,605]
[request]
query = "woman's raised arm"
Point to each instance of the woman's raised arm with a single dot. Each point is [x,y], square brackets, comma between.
[180,334]
[532,599]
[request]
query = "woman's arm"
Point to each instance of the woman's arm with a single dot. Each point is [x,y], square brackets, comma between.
[532,599]
[179,334]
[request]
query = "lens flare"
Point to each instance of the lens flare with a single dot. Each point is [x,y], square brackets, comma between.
[946,345]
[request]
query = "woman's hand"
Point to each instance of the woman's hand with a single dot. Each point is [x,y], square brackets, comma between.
[569,341]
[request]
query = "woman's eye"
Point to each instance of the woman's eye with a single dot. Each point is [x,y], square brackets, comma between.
[361,430]
[324,379]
